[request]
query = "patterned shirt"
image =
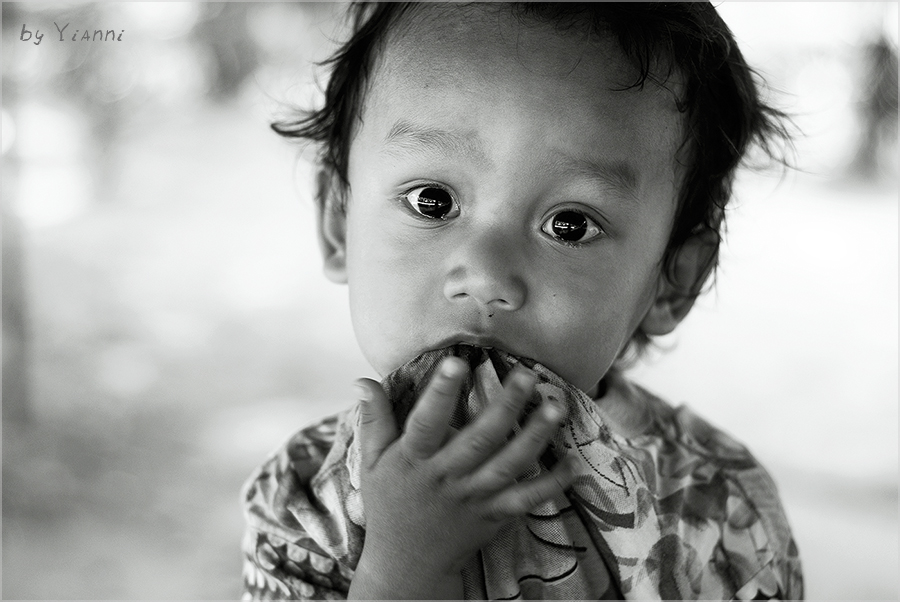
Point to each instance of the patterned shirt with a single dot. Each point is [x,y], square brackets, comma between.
[665,507]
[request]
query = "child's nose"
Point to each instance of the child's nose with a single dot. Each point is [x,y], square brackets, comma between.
[485,270]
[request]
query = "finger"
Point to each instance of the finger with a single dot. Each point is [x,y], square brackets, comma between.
[377,425]
[513,459]
[478,441]
[523,497]
[429,421]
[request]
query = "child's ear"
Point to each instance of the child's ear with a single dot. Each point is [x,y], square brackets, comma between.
[332,228]
[676,295]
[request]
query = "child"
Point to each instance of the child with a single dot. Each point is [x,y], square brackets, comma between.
[518,196]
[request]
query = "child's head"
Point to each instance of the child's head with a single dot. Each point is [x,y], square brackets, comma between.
[549,179]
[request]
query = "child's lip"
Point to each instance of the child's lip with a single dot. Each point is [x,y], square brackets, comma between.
[487,342]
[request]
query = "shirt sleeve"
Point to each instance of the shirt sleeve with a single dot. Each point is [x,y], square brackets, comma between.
[781,578]
[281,558]
[770,583]
[276,569]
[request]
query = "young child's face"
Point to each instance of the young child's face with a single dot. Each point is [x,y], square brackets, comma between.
[503,194]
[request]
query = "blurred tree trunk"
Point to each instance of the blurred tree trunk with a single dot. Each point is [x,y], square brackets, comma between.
[15,331]
[16,405]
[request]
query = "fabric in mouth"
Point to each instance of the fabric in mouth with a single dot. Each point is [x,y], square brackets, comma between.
[487,369]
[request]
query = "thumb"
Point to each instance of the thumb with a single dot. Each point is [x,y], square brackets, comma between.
[377,425]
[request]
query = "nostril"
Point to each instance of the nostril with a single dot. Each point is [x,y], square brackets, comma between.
[489,294]
[501,304]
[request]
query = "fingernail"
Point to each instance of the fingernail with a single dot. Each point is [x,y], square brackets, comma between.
[526,379]
[553,411]
[450,368]
[362,392]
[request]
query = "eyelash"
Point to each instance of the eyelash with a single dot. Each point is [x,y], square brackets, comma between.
[404,200]
[591,223]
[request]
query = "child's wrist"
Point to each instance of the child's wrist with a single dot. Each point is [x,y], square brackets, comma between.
[387,575]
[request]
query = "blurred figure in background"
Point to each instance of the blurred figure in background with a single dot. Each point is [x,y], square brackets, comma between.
[876,155]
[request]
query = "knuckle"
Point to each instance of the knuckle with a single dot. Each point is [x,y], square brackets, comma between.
[366,418]
[512,402]
[481,443]
[531,498]
[563,481]
[556,486]
[511,508]
[417,423]
[498,511]
[514,505]
[501,475]
[535,436]
[443,386]
[406,463]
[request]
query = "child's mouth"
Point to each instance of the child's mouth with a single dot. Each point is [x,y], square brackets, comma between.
[488,367]
[466,344]
[475,341]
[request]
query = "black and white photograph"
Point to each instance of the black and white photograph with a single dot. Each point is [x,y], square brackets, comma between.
[450,300]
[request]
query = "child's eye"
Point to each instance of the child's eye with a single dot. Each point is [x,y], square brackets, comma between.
[432,202]
[571,226]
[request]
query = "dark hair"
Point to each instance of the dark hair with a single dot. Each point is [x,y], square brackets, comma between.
[718,96]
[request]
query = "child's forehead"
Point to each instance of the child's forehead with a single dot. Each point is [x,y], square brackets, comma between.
[465,30]
[475,52]
[496,86]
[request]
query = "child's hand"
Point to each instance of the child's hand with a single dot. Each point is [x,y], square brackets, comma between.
[432,496]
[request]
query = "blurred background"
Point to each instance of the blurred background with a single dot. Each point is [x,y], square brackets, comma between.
[166,324]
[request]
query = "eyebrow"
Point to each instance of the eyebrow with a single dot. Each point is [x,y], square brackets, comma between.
[618,175]
[406,136]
